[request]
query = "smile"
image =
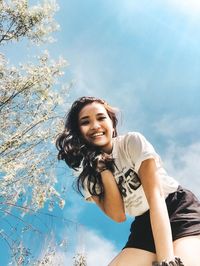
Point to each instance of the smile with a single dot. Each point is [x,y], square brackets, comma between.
[97,134]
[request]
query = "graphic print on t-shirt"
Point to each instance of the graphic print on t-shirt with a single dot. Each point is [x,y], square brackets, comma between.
[128,181]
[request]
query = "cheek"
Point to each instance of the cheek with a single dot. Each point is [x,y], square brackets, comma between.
[82,131]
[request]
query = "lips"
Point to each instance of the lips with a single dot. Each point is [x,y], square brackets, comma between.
[97,134]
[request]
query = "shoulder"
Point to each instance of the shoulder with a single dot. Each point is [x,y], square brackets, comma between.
[128,138]
[129,141]
[133,143]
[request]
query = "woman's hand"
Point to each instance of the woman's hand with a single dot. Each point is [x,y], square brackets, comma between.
[103,162]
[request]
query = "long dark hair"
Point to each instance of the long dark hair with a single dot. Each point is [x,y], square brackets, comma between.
[77,153]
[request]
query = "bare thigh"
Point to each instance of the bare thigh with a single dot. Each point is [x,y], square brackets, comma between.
[133,257]
[188,249]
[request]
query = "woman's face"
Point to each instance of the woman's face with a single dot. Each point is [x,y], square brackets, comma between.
[96,126]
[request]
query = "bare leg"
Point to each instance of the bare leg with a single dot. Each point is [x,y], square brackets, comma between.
[133,257]
[188,249]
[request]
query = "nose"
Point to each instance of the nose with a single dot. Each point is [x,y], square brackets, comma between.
[95,125]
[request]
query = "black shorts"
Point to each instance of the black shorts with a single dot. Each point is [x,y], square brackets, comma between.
[184,214]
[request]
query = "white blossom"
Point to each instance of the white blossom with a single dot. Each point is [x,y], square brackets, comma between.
[19,19]
[31,100]
[80,260]
[30,119]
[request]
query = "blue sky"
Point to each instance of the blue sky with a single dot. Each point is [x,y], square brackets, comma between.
[144,58]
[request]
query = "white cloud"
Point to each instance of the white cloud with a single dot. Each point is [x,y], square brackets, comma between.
[184,6]
[98,250]
[89,69]
[126,6]
[125,11]
[182,155]
[190,8]
[176,127]
[183,164]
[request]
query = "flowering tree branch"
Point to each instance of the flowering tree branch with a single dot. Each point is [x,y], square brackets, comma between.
[19,20]
[30,119]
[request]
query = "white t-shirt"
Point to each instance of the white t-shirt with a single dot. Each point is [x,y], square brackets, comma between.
[129,151]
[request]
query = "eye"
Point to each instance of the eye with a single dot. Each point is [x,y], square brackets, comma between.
[84,122]
[100,118]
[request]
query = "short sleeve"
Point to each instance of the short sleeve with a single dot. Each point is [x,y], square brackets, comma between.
[139,149]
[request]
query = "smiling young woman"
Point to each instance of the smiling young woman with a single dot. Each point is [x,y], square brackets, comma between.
[125,175]
[96,126]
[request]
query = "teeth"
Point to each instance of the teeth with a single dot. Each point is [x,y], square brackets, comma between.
[97,134]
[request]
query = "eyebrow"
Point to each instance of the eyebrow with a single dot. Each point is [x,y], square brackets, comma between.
[86,117]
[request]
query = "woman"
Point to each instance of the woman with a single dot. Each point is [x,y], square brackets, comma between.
[124,175]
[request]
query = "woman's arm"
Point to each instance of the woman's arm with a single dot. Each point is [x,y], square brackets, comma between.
[158,210]
[111,203]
